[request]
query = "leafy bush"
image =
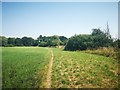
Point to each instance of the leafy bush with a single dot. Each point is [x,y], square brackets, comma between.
[79,42]
[95,40]
[43,44]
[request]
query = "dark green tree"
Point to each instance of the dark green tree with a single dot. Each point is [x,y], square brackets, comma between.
[18,42]
[63,40]
[40,38]
[49,41]
[0,40]
[79,42]
[36,42]
[101,39]
[11,41]
[43,44]
[3,41]
[82,42]
[116,43]
[55,40]
[27,41]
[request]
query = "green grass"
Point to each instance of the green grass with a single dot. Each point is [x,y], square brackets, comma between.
[82,70]
[24,67]
[0,68]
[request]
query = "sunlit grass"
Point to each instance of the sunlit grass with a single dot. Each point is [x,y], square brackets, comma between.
[24,67]
[82,70]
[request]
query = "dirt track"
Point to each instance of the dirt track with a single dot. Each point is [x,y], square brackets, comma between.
[49,74]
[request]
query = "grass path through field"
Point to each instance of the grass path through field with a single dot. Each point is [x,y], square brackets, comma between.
[49,74]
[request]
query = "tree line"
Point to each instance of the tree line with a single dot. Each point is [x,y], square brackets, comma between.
[95,40]
[42,41]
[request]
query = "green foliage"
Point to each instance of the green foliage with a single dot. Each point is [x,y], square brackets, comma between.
[116,43]
[55,41]
[42,41]
[18,42]
[43,44]
[63,40]
[27,41]
[97,32]
[24,67]
[35,43]
[82,42]
[101,39]
[11,41]
[3,41]
[79,42]
[51,40]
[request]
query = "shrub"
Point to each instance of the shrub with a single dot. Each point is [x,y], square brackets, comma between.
[79,42]
[105,51]
[43,44]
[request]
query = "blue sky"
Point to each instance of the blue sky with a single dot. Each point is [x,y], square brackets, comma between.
[0,18]
[59,0]
[119,20]
[57,18]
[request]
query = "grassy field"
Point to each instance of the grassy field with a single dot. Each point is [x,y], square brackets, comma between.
[24,67]
[82,70]
[28,66]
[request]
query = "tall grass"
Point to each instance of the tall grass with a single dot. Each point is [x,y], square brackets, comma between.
[105,51]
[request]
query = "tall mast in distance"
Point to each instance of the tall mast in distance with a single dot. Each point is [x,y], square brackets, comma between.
[108,31]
